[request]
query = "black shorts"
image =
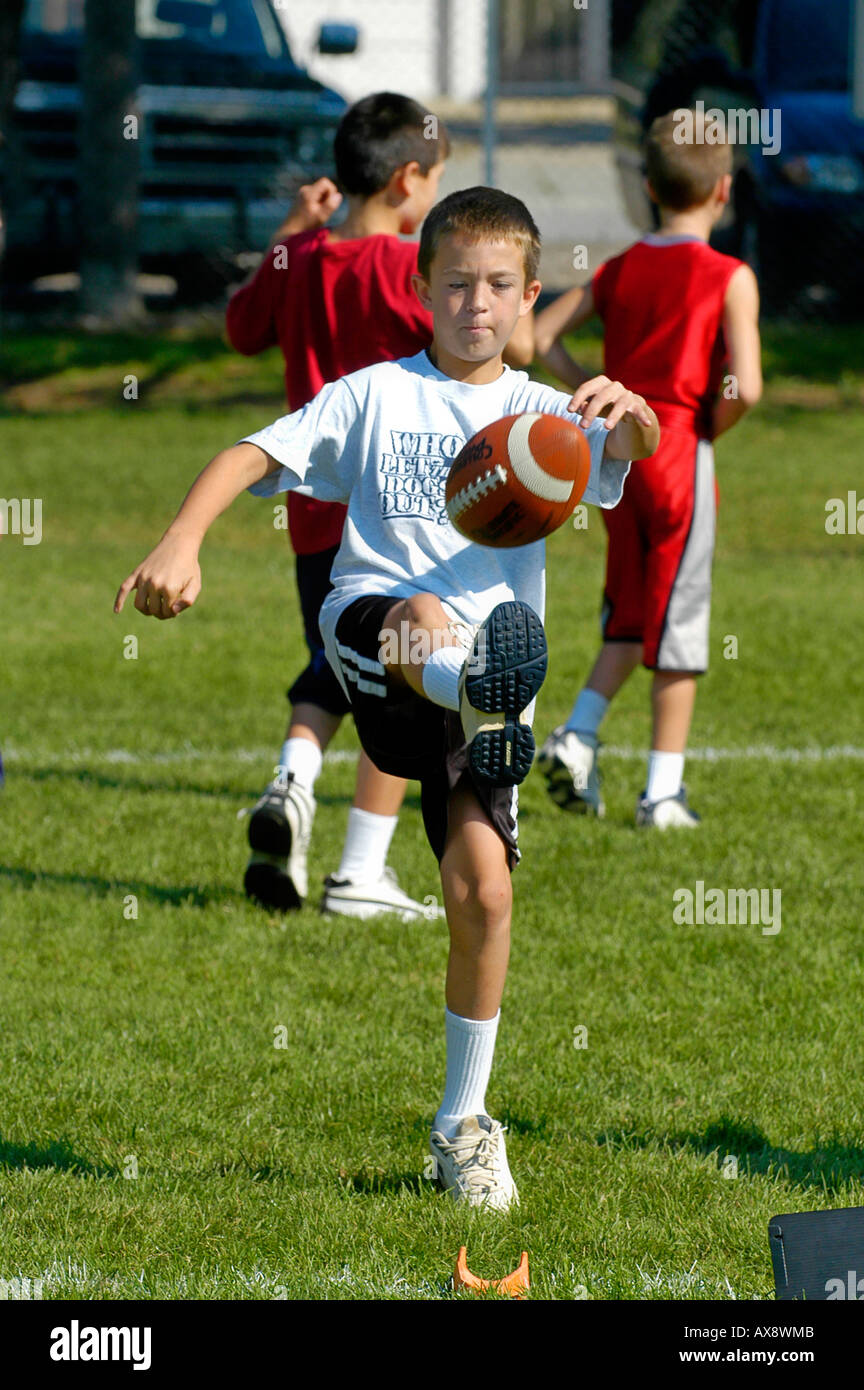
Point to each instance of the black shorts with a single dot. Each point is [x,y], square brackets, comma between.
[316,685]
[408,736]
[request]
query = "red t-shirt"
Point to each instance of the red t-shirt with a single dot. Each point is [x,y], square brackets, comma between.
[661,303]
[333,307]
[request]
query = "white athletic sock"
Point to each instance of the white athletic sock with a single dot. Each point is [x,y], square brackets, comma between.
[470,1049]
[367,842]
[665,771]
[441,676]
[302,757]
[588,711]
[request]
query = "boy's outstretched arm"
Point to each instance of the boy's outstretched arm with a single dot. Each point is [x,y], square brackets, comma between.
[250,321]
[567,312]
[169,579]
[634,431]
[741,330]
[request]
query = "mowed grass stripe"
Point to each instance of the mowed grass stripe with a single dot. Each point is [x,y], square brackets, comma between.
[755,752]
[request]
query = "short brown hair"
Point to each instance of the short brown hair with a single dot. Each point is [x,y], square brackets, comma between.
[485,214]
[380,134]
[683,172]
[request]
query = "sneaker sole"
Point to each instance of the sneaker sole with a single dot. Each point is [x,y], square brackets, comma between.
[363,911]
[266,883]
[501,750]
[559,785]
[269,833]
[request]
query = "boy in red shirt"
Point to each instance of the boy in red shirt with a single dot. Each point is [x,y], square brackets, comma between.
[677,316]
[336,301]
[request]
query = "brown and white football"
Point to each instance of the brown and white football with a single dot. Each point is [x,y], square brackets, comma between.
[518,479]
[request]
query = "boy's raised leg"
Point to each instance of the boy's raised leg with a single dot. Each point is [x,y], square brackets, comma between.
[490,676]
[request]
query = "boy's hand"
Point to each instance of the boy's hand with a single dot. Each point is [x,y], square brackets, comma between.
[609,399]
[313,207]
[168,581]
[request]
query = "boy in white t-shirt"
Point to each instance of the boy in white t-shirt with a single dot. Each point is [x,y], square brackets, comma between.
[437,642]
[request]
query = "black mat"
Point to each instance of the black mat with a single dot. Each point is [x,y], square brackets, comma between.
[818,1255]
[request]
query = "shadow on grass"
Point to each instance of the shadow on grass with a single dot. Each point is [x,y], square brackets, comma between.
[112,782]
[183,896]
[816,351]
[55,1154]
[829,1167]
[29,357]
[371,1184]
[536,1125]
[537,1128]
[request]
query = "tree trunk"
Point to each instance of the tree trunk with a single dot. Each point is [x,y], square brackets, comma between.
[108,168]
[10,26]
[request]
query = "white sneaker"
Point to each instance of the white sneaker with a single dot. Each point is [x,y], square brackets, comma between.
[667,813]
[568,761]
[280,826]
[348,898]
[473,1167]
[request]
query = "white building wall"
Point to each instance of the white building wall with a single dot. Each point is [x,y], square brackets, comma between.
[400,45]
[466,62]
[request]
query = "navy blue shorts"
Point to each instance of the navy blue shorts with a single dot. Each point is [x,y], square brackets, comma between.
[316,685]
[408,736]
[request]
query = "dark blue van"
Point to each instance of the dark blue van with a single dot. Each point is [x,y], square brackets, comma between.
[797,212]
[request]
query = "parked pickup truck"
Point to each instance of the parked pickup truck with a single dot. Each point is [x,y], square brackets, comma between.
[229,125]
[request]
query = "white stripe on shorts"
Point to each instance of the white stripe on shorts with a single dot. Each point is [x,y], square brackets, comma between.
[363,664]
[684,640]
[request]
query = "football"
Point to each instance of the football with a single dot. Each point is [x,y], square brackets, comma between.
[518,479]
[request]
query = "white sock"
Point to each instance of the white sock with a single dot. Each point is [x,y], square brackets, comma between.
[366,845]
[470,1049]
[302,757]
[588,711]
[441,676]
[665,771]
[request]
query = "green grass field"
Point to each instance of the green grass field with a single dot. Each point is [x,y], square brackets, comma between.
[156,1143]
